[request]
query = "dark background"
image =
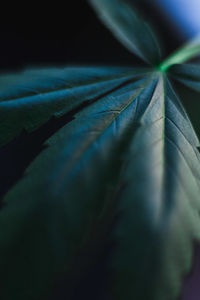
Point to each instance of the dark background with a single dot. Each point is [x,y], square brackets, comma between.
[68,32]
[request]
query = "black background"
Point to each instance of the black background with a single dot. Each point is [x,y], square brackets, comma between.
[62,33]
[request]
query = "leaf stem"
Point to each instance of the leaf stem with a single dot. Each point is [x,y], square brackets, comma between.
[185,53]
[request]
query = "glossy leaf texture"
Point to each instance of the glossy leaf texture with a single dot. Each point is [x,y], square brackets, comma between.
[30,99]
[132,153]
[120,17]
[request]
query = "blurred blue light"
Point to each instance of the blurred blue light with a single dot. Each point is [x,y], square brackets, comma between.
[185,14]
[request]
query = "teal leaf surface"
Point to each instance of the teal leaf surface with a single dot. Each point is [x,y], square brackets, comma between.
[120,17]
[160,204]
[49,217]
[130,153]
[30,99]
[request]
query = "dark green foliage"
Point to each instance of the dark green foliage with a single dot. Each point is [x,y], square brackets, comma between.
[127,157]
[23,97]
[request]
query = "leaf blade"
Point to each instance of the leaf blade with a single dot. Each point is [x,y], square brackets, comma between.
[29,100]
[155,243]
[51,202]
[137,137]
[123,22]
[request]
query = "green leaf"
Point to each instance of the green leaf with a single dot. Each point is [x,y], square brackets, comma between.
[63,203]
[160,205]
[30,99]
[188,74]
[131,153]
[129,29]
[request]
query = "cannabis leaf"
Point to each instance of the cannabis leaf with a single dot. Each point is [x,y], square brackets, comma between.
[124,168]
